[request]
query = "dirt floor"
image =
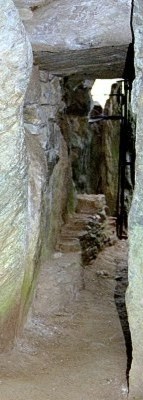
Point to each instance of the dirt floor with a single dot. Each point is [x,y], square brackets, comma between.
[79,353]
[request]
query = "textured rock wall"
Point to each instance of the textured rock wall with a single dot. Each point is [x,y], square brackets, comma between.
[49,170]
[135,290]
[35,174]
[76,130]
[15,68]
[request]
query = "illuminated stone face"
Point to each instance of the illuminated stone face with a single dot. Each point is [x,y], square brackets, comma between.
[15,67]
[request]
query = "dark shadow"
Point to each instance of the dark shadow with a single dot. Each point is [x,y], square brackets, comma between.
[119,296]
[129,70]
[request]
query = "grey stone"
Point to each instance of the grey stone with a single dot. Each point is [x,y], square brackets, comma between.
[51,92]
[68,37]
[33,92]
[15,69]
[134,297]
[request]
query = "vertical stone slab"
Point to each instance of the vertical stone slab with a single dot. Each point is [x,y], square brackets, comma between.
[134,295]
[43,143]
[15,68]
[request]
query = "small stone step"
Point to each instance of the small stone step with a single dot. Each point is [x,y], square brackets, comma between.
[69,234]
[79,221]
[112,220]
[90,204]
[77,226]
[68,246]
[83,231]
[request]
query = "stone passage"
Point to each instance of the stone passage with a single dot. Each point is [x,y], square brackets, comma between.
[36,176]
[73,345]
[15,69]
[135,290]
[85,234]
[36,188]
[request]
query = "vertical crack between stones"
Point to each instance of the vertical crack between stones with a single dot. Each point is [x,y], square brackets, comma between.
[127,334]
[131,22]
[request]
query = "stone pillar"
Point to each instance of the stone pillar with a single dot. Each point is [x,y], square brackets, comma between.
[15,68]
[134,295]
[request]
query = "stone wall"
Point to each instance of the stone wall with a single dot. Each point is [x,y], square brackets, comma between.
[35,171]
[15,69]
[49,176]
[134,296]
[76,130]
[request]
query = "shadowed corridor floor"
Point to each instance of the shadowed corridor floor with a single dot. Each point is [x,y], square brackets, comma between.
[79,354]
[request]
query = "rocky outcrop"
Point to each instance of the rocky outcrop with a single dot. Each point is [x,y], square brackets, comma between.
[68,37]
[15,69]
[135,290]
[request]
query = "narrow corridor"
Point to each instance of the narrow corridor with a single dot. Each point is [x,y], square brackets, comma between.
[78,353]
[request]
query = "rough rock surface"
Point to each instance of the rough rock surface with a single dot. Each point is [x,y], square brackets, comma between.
[79,350]
[135,290]
[69,37]
[74,125]
[49,168]
[15,68]
[93,147]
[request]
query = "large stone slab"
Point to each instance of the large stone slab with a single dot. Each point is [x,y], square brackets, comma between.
[89,36]
[135,289]
[49,172]
[15,67]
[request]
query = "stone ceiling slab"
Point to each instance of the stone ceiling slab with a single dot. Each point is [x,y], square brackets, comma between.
[107,62]
[67,30]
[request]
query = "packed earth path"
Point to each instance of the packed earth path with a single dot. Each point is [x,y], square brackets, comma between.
[76,354]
